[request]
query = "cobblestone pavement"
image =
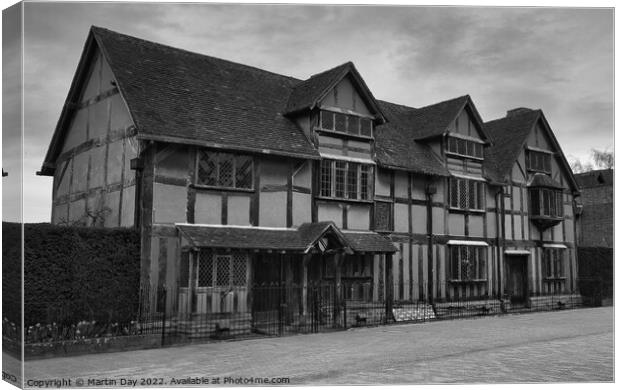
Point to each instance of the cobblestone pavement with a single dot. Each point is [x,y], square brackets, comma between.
[561,346]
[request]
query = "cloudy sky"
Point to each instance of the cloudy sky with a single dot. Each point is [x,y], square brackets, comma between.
[557,59]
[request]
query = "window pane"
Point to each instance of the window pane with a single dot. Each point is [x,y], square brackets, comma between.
[352,181]
[205,269]
[454,262]
[472,194]
[463,201]
[461,146]
[207,168]
[239,270]
[534,201]
[466,267]
[223,271]
[353,125]
[364,179]
[366,127]
[481,193]
[341,122]
[243,174]
[482,263]
[326,177]
[340,174]
[547,163]
[327,120]
[226,170]
[454,193]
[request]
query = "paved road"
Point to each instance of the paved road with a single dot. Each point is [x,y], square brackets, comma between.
[561,346]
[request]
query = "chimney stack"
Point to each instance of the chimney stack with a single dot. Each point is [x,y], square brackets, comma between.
[517,110]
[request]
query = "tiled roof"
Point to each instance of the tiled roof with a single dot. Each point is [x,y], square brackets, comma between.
[369,242]
[277,239]
[508,136]
[433,120]
[596,178]
[396,148]
[173,93]
[306,93]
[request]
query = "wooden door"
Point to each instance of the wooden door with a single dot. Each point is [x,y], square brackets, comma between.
[517,278]
[221,283]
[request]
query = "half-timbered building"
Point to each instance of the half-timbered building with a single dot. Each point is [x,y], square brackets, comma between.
[238,177]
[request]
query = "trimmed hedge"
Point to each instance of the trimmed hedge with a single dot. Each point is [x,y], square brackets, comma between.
[73,274]
[596,272]
[11,272]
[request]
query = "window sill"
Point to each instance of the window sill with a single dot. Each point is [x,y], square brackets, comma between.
[464,156]
[466,211]
[462,281]
[330,199]
[349,135]
[223,189]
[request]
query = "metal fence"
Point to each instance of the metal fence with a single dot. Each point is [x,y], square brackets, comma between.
[180,315]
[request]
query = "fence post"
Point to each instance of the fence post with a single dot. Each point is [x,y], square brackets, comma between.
[389,286]
[163,318]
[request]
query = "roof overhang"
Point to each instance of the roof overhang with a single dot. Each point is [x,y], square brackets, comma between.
[320,237]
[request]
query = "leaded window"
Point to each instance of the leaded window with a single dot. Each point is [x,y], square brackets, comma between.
[218,270]
[345,180]
[538,161]
[224,170]
[553,263]
[546,202]
[466,148]
[467,262]
[345,123]
[466,194]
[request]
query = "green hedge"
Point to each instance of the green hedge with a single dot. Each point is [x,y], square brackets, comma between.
[11,272]
[73,274]
[596,272]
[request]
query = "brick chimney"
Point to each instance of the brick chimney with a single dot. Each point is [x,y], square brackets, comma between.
[517,110]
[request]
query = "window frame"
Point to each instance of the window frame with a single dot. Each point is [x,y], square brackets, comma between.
[553,264]
[330,188]
[456,265]
[534,155]
[218,158]
[212,259]
[464,184]
[544,208]
[468,143]
[335,115]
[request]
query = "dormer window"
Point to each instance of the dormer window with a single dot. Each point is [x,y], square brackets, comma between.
[346,124]
[538,161]
[465,148]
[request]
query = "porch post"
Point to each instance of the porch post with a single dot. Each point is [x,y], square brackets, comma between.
[389,286]
[191,296]
[338,287]
[304,283]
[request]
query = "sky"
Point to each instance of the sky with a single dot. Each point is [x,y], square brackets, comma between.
[557,59]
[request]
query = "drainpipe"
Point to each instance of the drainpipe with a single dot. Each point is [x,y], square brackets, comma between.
[430,191]
[499,233]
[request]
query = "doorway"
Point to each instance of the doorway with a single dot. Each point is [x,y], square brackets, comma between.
[516,277]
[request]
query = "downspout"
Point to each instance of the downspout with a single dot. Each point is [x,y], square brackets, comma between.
[430,191]
[499,231]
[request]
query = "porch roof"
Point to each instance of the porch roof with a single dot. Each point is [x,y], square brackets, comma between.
[301,239]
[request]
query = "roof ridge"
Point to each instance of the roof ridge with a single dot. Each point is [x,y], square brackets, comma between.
[186,51]
[445,101]
[348,63]
[516,114]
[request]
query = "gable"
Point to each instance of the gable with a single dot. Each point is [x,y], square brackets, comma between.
[98,109]
[345,95]
[465,124]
